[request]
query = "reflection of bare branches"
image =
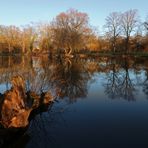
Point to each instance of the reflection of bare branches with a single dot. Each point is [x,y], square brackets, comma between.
[68,77]
[127,87]
[112,86]
[69,80]
[120,85]
[63,76]
[38,81]
[113,80]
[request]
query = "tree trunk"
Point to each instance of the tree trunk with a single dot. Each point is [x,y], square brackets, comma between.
[127,44]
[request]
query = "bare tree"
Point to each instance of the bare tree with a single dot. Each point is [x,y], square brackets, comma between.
[129,22]
[113,25]
[68,30]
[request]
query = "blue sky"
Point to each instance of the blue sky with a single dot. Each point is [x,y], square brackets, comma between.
[21,12]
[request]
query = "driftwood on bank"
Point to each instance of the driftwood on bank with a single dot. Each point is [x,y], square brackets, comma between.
[17,104]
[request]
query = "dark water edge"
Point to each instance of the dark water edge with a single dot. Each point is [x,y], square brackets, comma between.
[102,102]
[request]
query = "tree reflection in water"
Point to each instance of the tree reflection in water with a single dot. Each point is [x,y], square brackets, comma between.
[67,79]
[113,80]
[119,84]
[127,86]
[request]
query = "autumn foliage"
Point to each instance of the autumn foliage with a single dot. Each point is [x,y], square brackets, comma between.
[71,32]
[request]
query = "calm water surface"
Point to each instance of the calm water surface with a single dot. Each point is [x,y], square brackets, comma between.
[100,102]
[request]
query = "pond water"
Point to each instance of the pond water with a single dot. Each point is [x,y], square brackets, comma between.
[100,101]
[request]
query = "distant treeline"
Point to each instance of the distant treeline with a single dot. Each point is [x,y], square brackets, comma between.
[71,32]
